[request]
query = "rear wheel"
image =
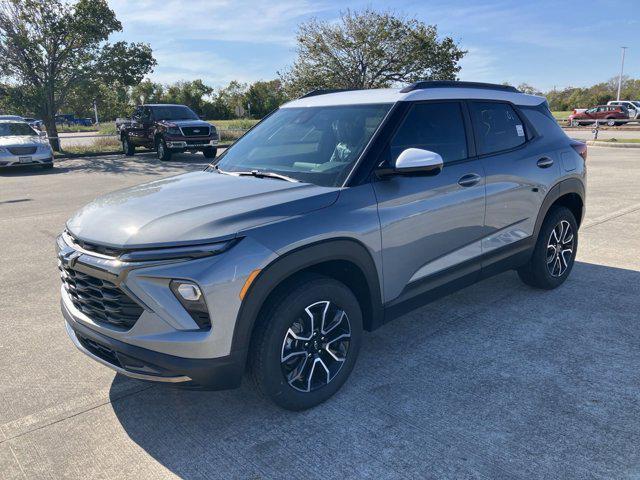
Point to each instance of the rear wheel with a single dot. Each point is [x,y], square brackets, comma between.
[210,152]
[611,122]
[307,345]
[555,251]
[164,154]
[128,149]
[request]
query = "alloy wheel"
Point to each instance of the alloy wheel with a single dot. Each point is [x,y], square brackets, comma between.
[315,346]
[560,248]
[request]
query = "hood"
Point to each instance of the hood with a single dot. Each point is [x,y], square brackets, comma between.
[185,123]
[14,140]
[193,207]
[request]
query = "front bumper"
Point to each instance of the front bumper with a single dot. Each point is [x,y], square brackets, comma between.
[143,364]
[38,158]
[184,143]
[165,344]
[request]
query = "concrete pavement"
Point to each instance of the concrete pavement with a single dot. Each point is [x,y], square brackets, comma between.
[495,381]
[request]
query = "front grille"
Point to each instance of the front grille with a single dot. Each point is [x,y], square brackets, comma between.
[196,131]
[22,150]
[99,350]
[100,300]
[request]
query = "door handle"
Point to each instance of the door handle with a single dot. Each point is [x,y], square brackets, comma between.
[545,162]
[469,180]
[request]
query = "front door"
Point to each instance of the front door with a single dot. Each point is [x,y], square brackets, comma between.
[431,223]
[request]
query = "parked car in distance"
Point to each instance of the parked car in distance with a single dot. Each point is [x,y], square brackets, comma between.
[335,214]
[167,129]
[35,123]
[607,114]
[70,119]
[633,107]
[20,144]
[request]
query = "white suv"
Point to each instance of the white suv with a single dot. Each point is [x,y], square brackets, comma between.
[632,105]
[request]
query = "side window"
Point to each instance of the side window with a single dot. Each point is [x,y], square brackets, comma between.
[146,114]
[438,127]
[497,127]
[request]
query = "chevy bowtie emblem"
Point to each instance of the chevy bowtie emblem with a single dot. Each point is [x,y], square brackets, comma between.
[69,259]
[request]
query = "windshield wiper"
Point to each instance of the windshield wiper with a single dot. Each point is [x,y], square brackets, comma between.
[259,174]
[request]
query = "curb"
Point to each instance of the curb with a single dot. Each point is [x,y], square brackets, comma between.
[596,143]
[64,156]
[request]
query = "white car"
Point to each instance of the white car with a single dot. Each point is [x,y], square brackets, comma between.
[632,105]
[22,145]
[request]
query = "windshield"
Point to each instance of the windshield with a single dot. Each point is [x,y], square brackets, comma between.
[174,113]
[8,129]
[316,145]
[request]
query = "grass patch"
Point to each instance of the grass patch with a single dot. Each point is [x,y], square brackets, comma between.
[240,123]
[103,128]
[561,114]
[99,145]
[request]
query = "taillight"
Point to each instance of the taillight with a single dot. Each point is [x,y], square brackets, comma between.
[580,148]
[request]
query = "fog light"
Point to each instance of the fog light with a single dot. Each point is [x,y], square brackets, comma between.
[191,298]
[189,291]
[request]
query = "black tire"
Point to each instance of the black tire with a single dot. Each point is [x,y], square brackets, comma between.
[550,265]
[210,152]
[164,154]
[47,166]
[127,148]
[273,336]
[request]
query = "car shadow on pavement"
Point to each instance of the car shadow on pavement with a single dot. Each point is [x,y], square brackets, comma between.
[497,380]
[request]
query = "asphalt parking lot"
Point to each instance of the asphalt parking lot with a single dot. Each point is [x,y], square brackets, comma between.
[495,381]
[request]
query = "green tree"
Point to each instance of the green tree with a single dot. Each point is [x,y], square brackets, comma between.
[50,47]
[369,49]
[192,94]
[264,97]
[146,92]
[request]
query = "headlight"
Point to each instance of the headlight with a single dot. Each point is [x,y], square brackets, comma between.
[174,131]
[190,251]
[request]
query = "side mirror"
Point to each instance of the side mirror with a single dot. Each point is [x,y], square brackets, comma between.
[415,161]
[42,134]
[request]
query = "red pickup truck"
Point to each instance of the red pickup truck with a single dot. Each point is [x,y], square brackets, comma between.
[607,113]
[167,129]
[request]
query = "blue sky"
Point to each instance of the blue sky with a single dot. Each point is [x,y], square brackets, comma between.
[543,43]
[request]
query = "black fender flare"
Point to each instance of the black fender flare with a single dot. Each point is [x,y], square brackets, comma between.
[295,261]
[564,187]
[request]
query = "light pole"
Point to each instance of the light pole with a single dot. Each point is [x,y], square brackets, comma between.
[621,71]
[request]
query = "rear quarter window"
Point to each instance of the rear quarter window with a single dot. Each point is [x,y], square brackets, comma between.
[497,127]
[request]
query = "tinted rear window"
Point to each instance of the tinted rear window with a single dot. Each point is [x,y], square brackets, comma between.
[497,127]
[438,127]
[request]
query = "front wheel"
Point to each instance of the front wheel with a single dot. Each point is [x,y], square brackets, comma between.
[307,344]
[164,154]
[127,148]
[555,251]
[210,152]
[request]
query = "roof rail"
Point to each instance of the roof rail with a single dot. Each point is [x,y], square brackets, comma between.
[457,84]
[324,91]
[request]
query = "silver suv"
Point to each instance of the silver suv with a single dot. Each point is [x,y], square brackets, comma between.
[336,213]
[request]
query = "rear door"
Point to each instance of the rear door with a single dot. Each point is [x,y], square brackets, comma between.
[519,170]
[430,223]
